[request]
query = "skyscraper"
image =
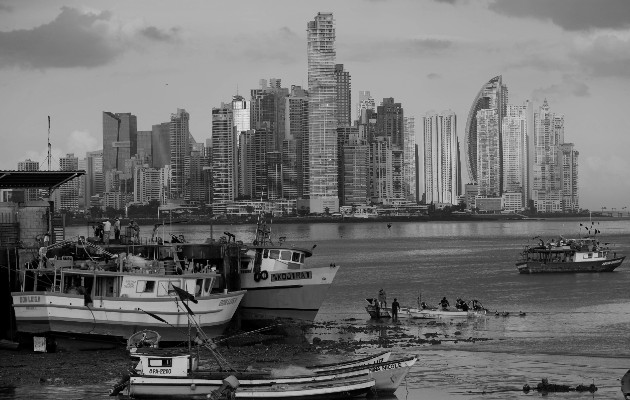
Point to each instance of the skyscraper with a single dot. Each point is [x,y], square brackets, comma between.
[180,149]
[389,121]
[409,167]
[492,95]
[224,156]
[441,158]
[119,139]
[515,131]
[297,131]
[69,191]
[570,198]
[366,102]
[488,149]
[548,164]
[344,97]
[322,109]
[161,144]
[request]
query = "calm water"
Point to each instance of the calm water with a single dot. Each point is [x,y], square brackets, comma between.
[576,327]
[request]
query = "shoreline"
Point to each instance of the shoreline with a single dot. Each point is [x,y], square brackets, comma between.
[328,220]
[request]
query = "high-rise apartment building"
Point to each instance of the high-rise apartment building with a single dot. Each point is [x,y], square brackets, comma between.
[268,106]
[548,164]
[120,132]
[515,132]
[149,185]
[492,95]
[570,197]
[355,169]
[386,172]
[441,158]
[69,192]
[322,86]
[488,149]
[180,149]
[344,97]
[224,157]
[297,135]
[410,162]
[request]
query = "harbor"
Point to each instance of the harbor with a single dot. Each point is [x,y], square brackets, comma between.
[573,331]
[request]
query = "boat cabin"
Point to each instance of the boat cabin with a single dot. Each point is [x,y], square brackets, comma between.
[275,259]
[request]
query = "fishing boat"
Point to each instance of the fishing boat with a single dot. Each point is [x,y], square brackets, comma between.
[375,310]
[279,283]
[91,292]
[568,255]
[178,377]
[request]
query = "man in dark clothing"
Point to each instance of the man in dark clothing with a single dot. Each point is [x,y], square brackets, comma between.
[395,308]
[444,303]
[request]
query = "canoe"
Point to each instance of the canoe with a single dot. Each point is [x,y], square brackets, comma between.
[371,359]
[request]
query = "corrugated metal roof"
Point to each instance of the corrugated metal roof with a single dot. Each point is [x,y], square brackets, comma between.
[36,179]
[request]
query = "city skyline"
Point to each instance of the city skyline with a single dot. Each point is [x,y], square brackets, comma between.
[428,55]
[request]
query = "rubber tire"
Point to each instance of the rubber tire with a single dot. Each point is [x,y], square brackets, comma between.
[264,275]
[257,276]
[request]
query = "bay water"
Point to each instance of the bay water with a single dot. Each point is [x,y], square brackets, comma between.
[569,328]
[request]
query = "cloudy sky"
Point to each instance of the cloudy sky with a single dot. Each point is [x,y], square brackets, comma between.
[72,60]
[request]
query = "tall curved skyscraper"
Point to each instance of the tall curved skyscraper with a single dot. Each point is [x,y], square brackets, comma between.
[492,95]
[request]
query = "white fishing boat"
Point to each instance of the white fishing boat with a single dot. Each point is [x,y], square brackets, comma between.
[278,281]
[117,295]
[178,376]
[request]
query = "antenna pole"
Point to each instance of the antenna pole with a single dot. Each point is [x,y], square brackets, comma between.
[49,146]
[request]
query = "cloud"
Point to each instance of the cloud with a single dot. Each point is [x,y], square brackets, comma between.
[604,54]
[77,142]
[405,48]
[279,45]
[153,33]
[570,15]
[75,39]
[570,86]
[433,76]
[80,142]
[5,8]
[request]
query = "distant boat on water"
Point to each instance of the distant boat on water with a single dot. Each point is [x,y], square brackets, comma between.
[568,255]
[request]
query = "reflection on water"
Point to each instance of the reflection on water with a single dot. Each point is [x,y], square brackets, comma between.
[575,327]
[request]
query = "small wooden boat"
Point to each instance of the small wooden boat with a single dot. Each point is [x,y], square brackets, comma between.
[371,359]
[389,375]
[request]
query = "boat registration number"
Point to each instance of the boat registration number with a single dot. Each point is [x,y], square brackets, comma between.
[160,371]
[385,367]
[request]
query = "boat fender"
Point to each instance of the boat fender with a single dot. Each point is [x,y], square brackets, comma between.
[257,276]
[264,275]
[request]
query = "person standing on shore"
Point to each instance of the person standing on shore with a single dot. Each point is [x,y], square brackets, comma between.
[117,228]
[395,308]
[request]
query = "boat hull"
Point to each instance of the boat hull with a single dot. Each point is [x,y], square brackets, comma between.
[437,313]
[119,318]
[535,267]
[333,385]
[292,294]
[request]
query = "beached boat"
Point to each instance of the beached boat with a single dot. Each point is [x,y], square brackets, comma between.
[625,385]
[94,293]
[368,360]
[279,283]
[568,255]
[174,377]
